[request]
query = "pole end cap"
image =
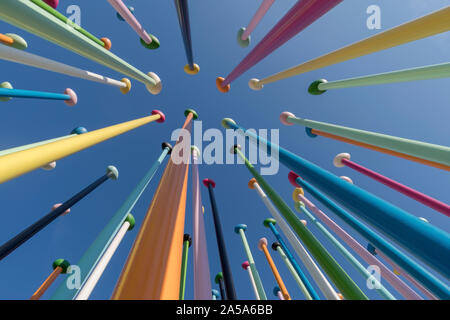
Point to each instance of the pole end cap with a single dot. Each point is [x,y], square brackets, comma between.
[73,97]
[314,87]
[262,243]
[218,277]
[284,118]
[106,43]
[187,237]
[345,178]
[168,146]
[233,148]
[112,172]
[194,113]
[19,42]
[79,130]
[130,219]
[157,87]
[239,227]
[155,44]
[52,3]
[209,182]
[295,194]
[6,85]
[128,85]
[255,84]
[226,123]
[371,248]
[275,245]
[309,133]
[215,293]
[245,265]
[292,176]
[162,116]
[62,263]
[57,205]
[269,221]
[276,290]
[251,183]
[337,161]
[242,43]
[49,166]
[194,71]
[219,82]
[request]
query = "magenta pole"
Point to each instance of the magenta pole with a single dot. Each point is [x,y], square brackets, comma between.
[343,159]
[244,33]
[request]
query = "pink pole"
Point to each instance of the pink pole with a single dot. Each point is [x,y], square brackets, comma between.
[202,281]
[390,277]
[343,159]
[262,10]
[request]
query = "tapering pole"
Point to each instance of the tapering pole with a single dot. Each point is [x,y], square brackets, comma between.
[224,262]
[29,59]
[215,294]
[277,293]
[58,210]
[13,40]
[386,273]
[97,249]
[427,152]
[343,160]
[436,71]
[7,91]
[426,26]
[34,18]
[187,241]
[148,40]
[301,15]
[309,292]
[246,267]
[243,37]
[262,245]
[219,280]
[240,230]
[60,266]
[340,278]
[15,164]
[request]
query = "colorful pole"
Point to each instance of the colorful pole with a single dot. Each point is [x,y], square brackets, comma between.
[69,96]
[309,291]
[215,294]
[387,274]
[153,267]
[148,40]
[219,280]
[52,3]
[440,155]
[277,293]
[22,237]
[343,160]
[183,18]
[243,36]
[300,16]
[246,267]
[436,71]
[59,266]
[187,241]
[224,263]
[13,40]
[29,59]
[97,249]
[32,17]
[262,245]
[426,26]
[240,230]
[18,163]
[340,278]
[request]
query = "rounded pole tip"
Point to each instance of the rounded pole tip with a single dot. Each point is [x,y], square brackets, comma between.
[19,42]
[187,237]
[194,113]
[62,263]
[155,44]
[168,146]
[73,97]
[345,178]
[126,89]
[340,296]
[57,205]
[226,123]
[276,290]
[245,265]
[120,17]
[219,82]
[79,130]
[215,293]
[193,71]
[298,205]
[157,87]
[309,133]
[337,161]
[396,272]
[195,150]
[292,176]
[275,245]
[255,84]
[6,85]
[242,43]
[284,118]
[130,219]
[162,117]
[240,227]
[314,87]
[218,277]
[295,194]
[49,166]
[305,223]
[262,243]
[233,148]
[106,43]
[112,172]
[209,182]
[52,3]
[269,221]
[371,249]
[423,219]
[251,183]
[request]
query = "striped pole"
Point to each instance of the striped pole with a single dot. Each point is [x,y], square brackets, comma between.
[13,40]
[277,293]
[97,249]
[18,163]
[421,274]
[149,41]
[300,207]
[240,230]
[318,276]
[59,266]
[6,91]
[246,267]
[299,17]
[187,241]
[262,245]
[215,294]
[340,278]
[423,152]
[387,274]
[202,281]
[153,267]
[243,37]
[219,280]
[436,71]
[343,160]
[426,26]
[22,237]
[30,16]
[29,59]
[224,262]
[183,18]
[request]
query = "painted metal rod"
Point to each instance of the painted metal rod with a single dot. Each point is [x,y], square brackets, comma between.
[13,40]
[246,267]
[224,262]
[95,275]
[436,71]
[262,245]
[419,149]
[310,292]
[244,33]
[27,15]
[387,274]
[32,60]
[426,26]
[340,278]
[343,160]
[69,96]
[187,241]
[59,266]
[15,164]
[300,16]
[96,250]
[219,280]
[22,237]
[240,230]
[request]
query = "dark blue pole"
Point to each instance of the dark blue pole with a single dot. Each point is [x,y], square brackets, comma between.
[183,18]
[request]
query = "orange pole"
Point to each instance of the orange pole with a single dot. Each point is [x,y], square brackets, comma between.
[47,283]
[6,40]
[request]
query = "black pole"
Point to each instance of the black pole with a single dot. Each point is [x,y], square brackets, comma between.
[227,276]
[29,232]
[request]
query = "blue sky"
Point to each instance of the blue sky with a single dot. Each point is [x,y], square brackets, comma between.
[416,110]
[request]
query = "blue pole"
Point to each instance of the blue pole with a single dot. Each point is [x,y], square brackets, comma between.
[183,18]
[19,93]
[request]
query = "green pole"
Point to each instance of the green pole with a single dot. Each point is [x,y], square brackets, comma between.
[186,244]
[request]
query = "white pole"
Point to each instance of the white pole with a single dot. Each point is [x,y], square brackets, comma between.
[280,295]
[252,280]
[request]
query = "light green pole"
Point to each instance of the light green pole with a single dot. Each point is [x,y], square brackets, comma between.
[187,241]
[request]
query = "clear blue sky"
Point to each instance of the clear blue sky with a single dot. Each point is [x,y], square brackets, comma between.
[417,110]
